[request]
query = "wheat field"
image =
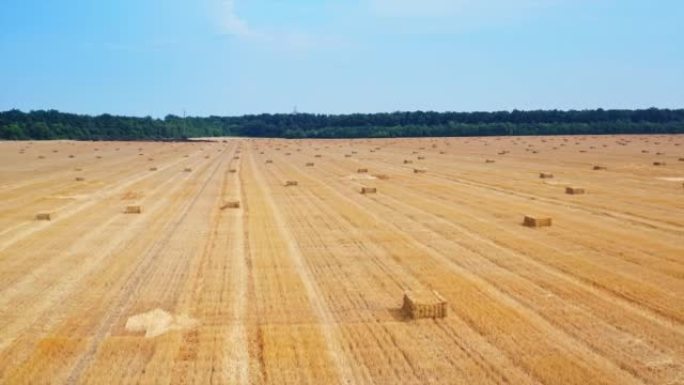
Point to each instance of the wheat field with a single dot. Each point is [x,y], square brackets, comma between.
[257,261]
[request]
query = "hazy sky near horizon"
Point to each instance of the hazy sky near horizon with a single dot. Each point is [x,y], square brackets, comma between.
[233,57]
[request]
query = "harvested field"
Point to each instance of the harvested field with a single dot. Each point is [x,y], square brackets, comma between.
[230,278]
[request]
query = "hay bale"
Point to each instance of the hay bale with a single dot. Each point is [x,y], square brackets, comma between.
[489,161]
[187,169]
[421,158]
[534,221]
[424,304]
[44,216]
[545,175]
[80,179]
[407,161]
[269,161]
[419,171]
[133,210]
[600,168]
[291,183]
[574,190]
[309,164]
[347,155]
[232,171]
[153,169]
[78,169]
[317,156]
[659,163]
[362,170]
[368,190]
[231,205]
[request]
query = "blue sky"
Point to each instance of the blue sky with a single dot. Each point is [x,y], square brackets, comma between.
[232,57]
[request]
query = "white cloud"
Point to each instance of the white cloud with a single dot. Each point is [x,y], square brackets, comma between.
[227,20]
[229,23]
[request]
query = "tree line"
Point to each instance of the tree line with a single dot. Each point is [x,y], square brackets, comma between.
[51,124]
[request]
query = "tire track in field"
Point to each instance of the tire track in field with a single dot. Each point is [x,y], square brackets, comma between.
[321,308]
[134,281]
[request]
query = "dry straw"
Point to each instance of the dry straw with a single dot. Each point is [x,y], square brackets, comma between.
[424,304]
[574,190]
[535,221]
[133,210]
[231,205]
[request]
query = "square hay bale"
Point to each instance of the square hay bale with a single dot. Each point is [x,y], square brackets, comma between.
[368,190]
[347,155]
[153,169]
[317,156]
[133,210]
[291,183]
[407,161]
[362,170]
[659,163]
[269,161]
[231,205]
[236,157]
[489,161]
[78,169]
[536,221]
[424,304]
[419,171]
[574,190]
[187,169]
[600,167]
[232,171]
[44,216]
[309,164]
[545,175]
[421,158]
[80,179]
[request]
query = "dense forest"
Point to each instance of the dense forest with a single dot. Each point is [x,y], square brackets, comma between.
[16,125]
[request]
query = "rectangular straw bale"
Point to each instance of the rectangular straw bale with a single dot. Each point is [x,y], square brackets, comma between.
[133,210]
[424,304]
[231,205]
[536,221]
[574,190]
